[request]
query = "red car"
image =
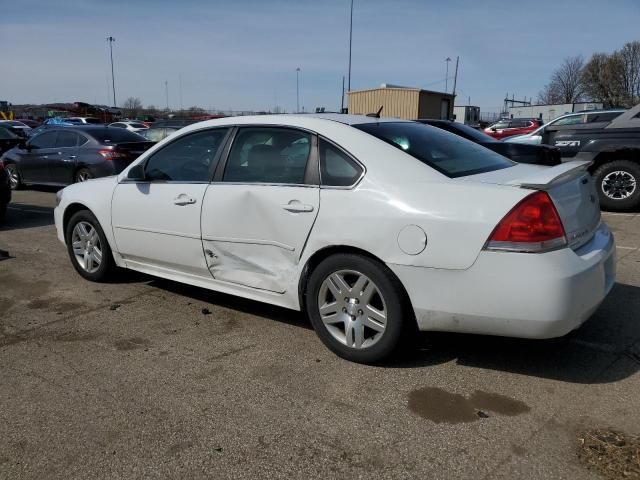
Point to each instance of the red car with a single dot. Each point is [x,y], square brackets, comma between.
[512,126]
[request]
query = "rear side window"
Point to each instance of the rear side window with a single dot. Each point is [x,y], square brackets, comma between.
[66,139]
[187,159]
[337,169]
[602,117]
[443,151]
[112,136]
[268,155]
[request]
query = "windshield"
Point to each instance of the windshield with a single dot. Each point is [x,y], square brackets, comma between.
[450,154]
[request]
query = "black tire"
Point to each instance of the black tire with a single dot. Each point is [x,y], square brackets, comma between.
[630,168]
[107,266]
[398,315]
[12,169]
[83,175]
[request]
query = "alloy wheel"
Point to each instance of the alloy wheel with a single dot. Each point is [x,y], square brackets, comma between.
[83,176]
[86,245]
[14,179]
[618,185]
[352,309]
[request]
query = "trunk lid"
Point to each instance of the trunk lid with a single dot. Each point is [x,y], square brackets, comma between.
[569,185]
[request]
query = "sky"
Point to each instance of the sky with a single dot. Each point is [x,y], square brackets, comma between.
[243,54]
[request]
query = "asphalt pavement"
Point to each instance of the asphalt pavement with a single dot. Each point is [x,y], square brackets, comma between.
[146,378]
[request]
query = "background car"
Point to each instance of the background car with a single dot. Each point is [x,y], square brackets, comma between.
[60,156]
[129,125]
[535,137]
[155,134]
[514,126]
[84,120]
[535,154]
[8,139]
[16,127]
[5,190]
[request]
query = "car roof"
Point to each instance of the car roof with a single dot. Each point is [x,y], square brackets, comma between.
[302,120]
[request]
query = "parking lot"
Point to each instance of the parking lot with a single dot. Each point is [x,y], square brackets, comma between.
[143,377]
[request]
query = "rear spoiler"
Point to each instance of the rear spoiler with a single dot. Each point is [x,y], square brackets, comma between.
[546,178]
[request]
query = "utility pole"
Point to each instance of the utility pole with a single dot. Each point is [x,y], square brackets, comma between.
[455,79]
[180,91]
[298,90]
[342,101]
[166,93]
[110,39]
[350,42]
[446,77]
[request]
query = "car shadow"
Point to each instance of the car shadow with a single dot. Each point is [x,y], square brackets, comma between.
[605,349]
[21,215]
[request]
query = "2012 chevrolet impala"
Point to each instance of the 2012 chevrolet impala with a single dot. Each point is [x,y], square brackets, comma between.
[372,226]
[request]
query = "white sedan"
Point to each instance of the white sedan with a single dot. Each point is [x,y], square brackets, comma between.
[373,227]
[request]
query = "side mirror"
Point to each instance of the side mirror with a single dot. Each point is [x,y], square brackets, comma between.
[136,172]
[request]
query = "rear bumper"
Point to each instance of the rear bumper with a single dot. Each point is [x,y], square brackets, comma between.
[515,294]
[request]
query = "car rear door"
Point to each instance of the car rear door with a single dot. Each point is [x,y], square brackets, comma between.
[62,162]
[156,219]
[257,215]
[34,160]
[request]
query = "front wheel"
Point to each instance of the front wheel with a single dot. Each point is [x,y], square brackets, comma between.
[617,183]
[357,307]
[88,247]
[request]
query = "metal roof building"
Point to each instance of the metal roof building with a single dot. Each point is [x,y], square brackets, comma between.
[401,102]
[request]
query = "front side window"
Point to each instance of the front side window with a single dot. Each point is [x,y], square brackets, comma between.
[268,155]
[187,159]
[66,139]
[337,169]
[46,140]
[443,151]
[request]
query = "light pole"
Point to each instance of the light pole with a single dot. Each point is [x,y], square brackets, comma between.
[166,93]
[446,77]
[110,39]
[350,42]
[298,90]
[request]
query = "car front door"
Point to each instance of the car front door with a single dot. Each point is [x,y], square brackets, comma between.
[34,159]
[156,218]
[62,163]
[257,215]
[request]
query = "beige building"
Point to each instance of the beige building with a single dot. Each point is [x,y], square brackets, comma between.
[401,102]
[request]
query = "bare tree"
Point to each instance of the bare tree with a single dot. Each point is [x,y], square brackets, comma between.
[132,106]
[602,79]
[567,80]
[548,95]
[630,60]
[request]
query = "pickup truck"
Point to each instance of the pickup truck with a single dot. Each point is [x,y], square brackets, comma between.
[612,146]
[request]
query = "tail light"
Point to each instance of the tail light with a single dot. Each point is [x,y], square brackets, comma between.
[111,154]
[533,225]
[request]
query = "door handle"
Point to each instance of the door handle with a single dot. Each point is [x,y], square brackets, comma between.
[183,200]
[297,207]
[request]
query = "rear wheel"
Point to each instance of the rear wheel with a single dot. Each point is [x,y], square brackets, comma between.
[83,175]
[357,307]
[618,184]
[14,176]
[88,247]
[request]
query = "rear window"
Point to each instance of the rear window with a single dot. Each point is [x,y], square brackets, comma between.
[115,135]
[445,152]
[138,125]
